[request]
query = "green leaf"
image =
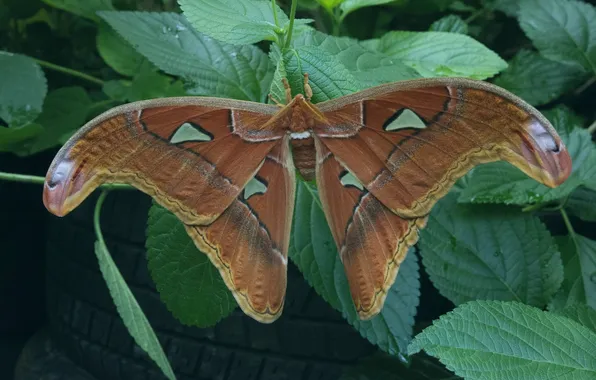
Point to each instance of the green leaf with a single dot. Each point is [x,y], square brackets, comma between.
[118,90]
[581,204]
[348,6]
[489,252]
[501,182]
[13,139]
[329,5]
[23,89]
[313,250]
[84,8]
[329,78]
[367,66]
[563,30]
[277,90]
[189,285]
[442,54]
[492,340]
[147,84]
[509,7]
[564,120]
[579,255]
[210,67]
[538,80]
[336,66]
[133,317]
[239,22]
[118,53]
[582,314]
[64,111]
[461,6]
[572,289]
[450,24]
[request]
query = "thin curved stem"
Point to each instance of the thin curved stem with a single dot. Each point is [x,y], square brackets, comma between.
[71,72]
[273,4]
[291,26]
[22,178]
[585,85]
[476,14]
[569,227]
[97,214]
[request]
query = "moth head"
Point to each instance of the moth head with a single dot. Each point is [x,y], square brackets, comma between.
[543,148]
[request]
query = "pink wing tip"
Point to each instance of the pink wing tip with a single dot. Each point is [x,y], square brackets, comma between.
[55,188]
[546,150]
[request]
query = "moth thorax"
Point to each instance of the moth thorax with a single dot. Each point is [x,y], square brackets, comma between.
[303,151]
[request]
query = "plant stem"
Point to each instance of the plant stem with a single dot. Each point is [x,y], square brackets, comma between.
[534,207]
[585,85]
[592,127]
[12,177]
[68,71]
[273,4]
[478,13]
[97,214]
[569,226]
[335,28]
[337,18]
[291,26]
[21,178]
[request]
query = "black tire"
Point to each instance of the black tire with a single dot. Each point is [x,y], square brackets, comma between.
[309,342]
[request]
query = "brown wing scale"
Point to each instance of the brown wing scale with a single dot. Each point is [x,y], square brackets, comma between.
[401,147]
[193,159]
[249,242]
[453,126]
[372,241]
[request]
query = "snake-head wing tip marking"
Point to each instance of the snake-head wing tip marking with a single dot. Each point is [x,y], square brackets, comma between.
[563,166]
[58,187]
[543,148]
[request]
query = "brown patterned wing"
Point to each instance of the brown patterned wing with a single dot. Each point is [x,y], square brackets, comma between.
[193,155]
[371,240]
[249,242]
[408,142]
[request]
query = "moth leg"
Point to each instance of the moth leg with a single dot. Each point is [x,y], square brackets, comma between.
[307,88]
[277,102]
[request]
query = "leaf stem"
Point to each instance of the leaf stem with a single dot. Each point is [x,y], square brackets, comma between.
[21,178]
[273,4]
[96,215]
[68,71]
[337,19]
[291,26]
[568,225]
[38,180]
[476,14]
[585,85]
[592,127]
